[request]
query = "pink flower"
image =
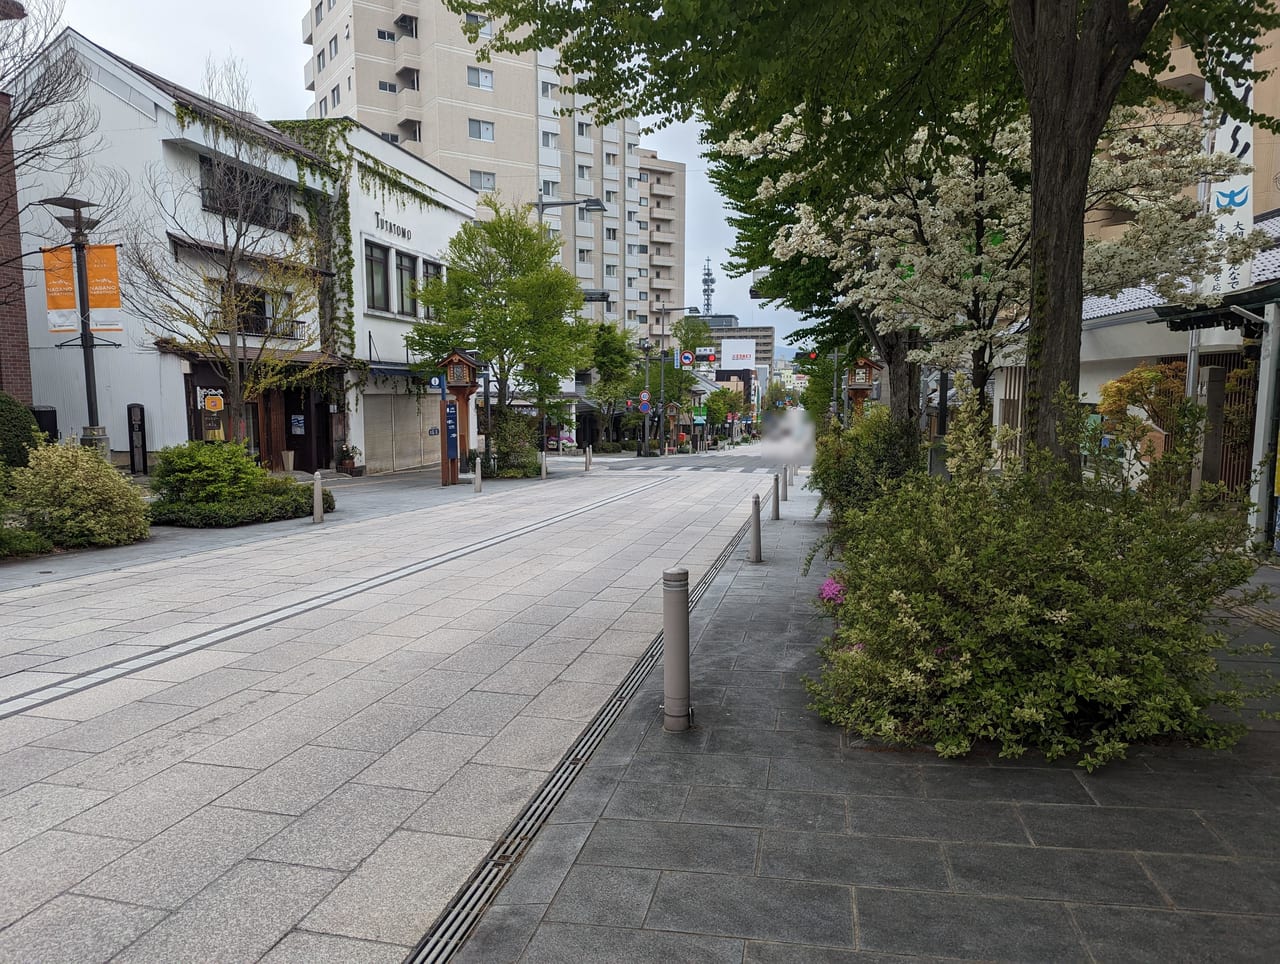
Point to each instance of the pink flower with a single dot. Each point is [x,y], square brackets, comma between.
[832,592]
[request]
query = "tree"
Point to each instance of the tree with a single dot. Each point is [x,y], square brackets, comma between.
[879,70]
[775,396]
[691,333]
[222,264]
[51,127]
[613,358]
[504,295]
[722,403]
[941,247]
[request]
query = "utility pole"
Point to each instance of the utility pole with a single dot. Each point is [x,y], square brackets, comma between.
[662,402]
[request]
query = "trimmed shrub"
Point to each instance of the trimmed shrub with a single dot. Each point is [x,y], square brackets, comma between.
[273,503]
[70,496]
[18,431]
[1061,617]
[854,466]
[16,541]
[205,472]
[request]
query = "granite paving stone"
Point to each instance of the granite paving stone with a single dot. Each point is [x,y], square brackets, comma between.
[36,807]
[1158,936]
[133,761]
[377,728]
[647,801]
[1050,873]
[936,819]
[671,846]
[424,761]
[477,801]
[479,713]
[532,742]
[872,861]
[343,829]
[545,864]
[299,781]
[1217,884]
[581,944]
[45,866]
[1115,828]
[112,727]
[399,889]
[181,861]
[30,764]
[566,700]
[590,895]
[501,935]
[753,907]
[75,930]
[242,914]
[301,947]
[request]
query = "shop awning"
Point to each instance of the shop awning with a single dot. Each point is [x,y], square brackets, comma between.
[302,359]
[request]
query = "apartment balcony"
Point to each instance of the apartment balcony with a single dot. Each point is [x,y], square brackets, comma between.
[408,115]
[662,284]
[662,237]
[662,261]
[549,157]
[610,284]
[584,144]
[611,135]
[662,190]
[611,173]
[407,58]
[548,107]
[309,73]
[585,186]
[1183,73]
[307,27]
[611,247]
[585,269]
[405,8]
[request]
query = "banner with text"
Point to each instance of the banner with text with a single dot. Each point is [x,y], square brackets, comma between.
[1231,201]
[737,354]
[104,289]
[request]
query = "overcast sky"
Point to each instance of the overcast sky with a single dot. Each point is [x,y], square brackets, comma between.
[175,37]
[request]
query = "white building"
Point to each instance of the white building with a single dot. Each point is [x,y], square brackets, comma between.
[361,392]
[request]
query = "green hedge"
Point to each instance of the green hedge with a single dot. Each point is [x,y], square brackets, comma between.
[18,431]
[271,504]
[16,541]
[71,497]
[205,472]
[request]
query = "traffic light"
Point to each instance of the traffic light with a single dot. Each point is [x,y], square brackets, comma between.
[705,355]
[813,356]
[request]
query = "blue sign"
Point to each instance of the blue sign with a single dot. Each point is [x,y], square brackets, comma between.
[645,407]
[451,429]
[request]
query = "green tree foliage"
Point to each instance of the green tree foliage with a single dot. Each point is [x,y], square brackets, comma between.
[876,71]
[504,295]
[69,495]
[853,467]
[691,333]
[613,359]
[775,396]
[17,431]
[722,403]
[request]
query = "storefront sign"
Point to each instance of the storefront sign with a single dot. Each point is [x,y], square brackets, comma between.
[1231,201]
[297,425]
[737,354]
[210,399]
[391,228]
[451,429]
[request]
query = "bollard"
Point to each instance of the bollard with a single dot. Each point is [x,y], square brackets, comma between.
[587,463]
[784,484]
[544,463]
[756,555]
[317,501]
[476,484]
[675,650]
[777,498]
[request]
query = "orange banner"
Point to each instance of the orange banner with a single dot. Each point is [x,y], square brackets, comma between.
[104,277]
[59,280]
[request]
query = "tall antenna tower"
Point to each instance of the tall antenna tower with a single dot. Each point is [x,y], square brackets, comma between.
[708,287]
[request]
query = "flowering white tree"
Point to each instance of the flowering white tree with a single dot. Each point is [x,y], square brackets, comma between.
[941,246]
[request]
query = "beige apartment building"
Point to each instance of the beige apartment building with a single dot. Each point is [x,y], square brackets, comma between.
[404,68]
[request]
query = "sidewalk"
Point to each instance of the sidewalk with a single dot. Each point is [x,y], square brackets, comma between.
[765,836]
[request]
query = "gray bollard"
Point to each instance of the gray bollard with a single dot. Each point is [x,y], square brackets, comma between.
[475,482]
[675,650]
[544,463]
[777,498]
[587,464]
[784,483]
[317,501]
[756,554]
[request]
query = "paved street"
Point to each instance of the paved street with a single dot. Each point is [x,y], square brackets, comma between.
[764,836]
[300,747]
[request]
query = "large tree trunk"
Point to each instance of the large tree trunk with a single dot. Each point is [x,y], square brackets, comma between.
[904,378]
[1072,59]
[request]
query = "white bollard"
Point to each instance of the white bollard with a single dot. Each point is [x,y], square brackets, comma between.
[476,481]
[544,463]
[317,500]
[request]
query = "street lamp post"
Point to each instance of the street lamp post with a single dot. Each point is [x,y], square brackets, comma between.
[663,311]
[80,225]
[646,346]
[592,204]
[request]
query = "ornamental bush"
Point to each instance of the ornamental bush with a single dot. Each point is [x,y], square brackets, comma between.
[1042,614]
[18,431]
[197,472]
[853,466]
[274,502]
[71,496]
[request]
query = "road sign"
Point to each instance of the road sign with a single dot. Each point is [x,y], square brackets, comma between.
[645,407]
[686,358]
[645,396]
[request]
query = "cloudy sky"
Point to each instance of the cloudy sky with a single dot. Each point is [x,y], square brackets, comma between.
[174,38]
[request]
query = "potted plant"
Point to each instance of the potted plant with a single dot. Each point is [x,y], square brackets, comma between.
[347,455]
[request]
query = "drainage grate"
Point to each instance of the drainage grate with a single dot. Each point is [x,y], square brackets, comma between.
[461,917]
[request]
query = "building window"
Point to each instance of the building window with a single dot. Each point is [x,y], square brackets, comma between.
[631,147]
[386,35]
[642,225]
[610,197]
[480,130]
[611,159]
[644,177]
[549,89]
[406,279]
[430,271]
[611,271]
[335,95]
[583,214]
[480,77]
[388,87]
[643,295]
[631,282]
[377,290]
[324,106]
[484,180]
[644,202]
[550,188]
[391,138]
[584,171]
[584,255]
[631,215]
[643,319]
[320,62]
[235,192]
[319,13]
[550,139]
[333,46]
[611,234]
[411,79]
[631,182]
[408,24]
[644,272]
[485,29]
[584,129]
[415,132]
